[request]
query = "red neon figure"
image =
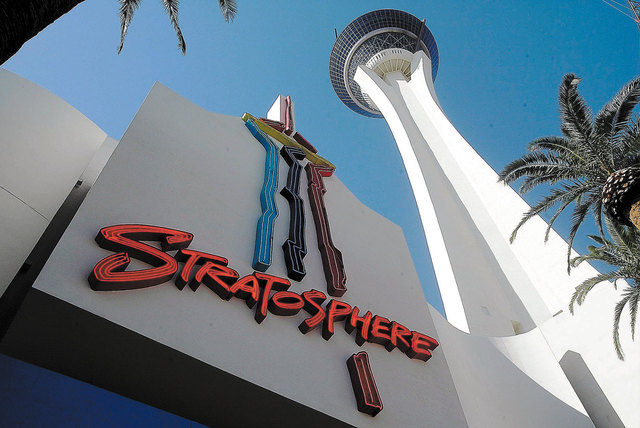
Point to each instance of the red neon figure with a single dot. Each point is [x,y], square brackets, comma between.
[110,274]
[331,256]
[364,386]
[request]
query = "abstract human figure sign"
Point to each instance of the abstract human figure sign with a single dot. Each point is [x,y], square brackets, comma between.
[331,256]
[264,230]
[295,247]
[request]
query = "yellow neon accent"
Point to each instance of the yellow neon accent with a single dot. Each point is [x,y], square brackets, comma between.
[288,141]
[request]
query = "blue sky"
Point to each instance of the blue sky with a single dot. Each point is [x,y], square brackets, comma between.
[500,66]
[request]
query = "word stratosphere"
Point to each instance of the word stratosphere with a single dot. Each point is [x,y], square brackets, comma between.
[110,274]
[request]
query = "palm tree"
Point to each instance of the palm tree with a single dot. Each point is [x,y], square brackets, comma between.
[593,165]
[623,252]
[20,20]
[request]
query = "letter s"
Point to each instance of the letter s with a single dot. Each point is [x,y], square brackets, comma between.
[109,274]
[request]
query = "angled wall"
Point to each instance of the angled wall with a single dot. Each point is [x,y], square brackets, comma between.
[46,145]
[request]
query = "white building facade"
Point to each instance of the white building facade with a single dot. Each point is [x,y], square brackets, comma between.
[210,350]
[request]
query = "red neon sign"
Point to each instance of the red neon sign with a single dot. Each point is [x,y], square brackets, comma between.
[256,289]
[364,386]
[267,293]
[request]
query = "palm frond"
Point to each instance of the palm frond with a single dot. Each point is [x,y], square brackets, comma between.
[554,175]
[554,217]
[615,115]
[633,309]
[127,9]
[576,114]
[559,145]
[577,218]
[597,212]
[535,164]
[590,150]
[623,252]
[605,253]
[229,9]
[171,7]
[628,142]
[617,313]
[565,193]
[620,235]
[587,285]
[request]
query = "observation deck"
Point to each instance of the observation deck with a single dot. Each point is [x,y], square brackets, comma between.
[381,41]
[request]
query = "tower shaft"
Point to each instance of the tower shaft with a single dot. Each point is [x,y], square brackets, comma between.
[488,286]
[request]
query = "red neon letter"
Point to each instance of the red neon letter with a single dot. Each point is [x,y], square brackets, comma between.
[270,283]
[400,337]
[421,344]
[286,303]
[361,324]
[336,311]
[247,288]
[109,273]
[364,386]
[380,331]
[191,258]
[313,305]
[217,278]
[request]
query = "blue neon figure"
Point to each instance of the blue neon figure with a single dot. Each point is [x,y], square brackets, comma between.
[264,231]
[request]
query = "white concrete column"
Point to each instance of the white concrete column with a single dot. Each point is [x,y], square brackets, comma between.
[405,131]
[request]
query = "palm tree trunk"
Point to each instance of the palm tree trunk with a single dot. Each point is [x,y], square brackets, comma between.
[20,20]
